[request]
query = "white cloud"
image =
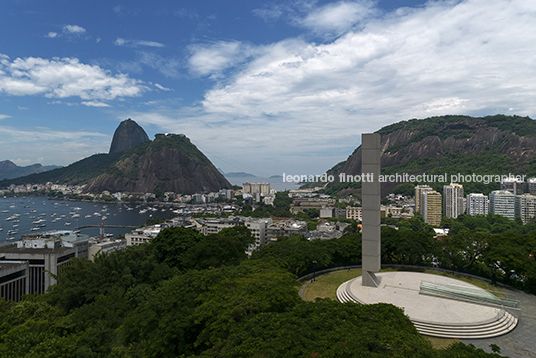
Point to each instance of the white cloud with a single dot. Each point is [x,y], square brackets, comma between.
[336,18]
[65,77]
[95,104]
[160,87]
[73,29]
[471,57]
[52,34]
[212,59]
[4,116]
[136,43]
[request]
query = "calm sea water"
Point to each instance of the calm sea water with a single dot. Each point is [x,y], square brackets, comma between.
[30,212]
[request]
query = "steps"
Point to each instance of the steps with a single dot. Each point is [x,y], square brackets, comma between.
[503,323]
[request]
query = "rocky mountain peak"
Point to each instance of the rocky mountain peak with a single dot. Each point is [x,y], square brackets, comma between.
[127,136]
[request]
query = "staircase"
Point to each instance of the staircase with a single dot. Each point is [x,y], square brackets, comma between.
[503,323]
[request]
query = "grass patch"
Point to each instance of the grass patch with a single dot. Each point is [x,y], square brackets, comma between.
[441,343]
[326,285]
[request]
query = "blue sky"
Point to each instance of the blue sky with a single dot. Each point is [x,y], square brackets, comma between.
[264,87]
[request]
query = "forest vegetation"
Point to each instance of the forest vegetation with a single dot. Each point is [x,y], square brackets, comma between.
[188,295]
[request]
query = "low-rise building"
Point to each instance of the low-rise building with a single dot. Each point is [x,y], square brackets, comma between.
[285,228]
[105,247]
[46,254]
[302,204]
[142,235]
[14,279]
[354,213]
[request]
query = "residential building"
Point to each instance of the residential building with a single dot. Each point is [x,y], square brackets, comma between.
[453,201]
[394,211]
[258,227]
[477,204]
[419,197]
[142,235]
[431,207]
[354,212]
[258,230]
[285,228]
[252,188]
[210,226]
[513,185]
[530,186]
[525,207]
[502,202]
[332,212]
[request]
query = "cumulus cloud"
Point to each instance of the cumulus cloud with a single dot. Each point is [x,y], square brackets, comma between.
[52,34]
[136,43]
[462,54]
[469,57]
[65,77]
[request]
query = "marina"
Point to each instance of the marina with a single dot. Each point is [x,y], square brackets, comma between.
[24,215]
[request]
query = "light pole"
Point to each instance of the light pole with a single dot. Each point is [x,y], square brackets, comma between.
[314,271]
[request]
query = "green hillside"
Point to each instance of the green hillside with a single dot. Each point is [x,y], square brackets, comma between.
[451,145]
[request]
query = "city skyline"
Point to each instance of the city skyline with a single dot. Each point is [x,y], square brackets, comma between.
[264,88]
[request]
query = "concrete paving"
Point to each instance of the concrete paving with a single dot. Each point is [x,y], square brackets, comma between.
[402,289]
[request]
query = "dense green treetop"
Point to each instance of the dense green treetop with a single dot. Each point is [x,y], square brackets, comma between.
[186,295]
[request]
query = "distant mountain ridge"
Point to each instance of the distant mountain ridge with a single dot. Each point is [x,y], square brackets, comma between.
[451,144]
[10,170]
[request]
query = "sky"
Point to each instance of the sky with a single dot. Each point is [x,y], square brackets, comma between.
[264,87]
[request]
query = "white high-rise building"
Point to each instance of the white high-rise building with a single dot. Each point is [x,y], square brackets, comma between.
[501,202]
[477,204]
[453,203]
[525,207]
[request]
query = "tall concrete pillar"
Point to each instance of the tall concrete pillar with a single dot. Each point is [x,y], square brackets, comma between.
[370,195]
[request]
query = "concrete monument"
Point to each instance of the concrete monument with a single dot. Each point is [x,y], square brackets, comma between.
[370,195]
